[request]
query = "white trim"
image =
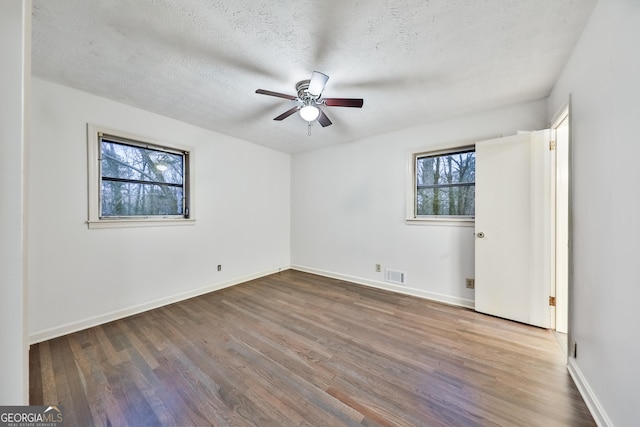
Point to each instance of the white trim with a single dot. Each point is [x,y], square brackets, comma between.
[69,328]
[433,296]
[561,114]
[597,411]
[146,222]
[456,222]
[93,180]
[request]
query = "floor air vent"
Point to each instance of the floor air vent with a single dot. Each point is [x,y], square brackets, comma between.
[395,276]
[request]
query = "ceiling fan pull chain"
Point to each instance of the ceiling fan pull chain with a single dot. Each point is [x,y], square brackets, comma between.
[309,129]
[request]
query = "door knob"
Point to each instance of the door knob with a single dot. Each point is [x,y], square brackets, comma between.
[480,235]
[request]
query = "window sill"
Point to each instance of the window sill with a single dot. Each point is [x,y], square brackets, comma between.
[448,221]
[146,222]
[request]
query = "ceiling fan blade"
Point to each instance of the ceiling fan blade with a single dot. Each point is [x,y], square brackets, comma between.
[317,82]
[288,113]
[278,94]
[343,102]
[323,119]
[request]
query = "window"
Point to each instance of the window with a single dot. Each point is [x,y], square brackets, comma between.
[444,184]
[135,181]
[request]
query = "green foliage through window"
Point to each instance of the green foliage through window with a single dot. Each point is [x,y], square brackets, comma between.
[141,180]
[445,183]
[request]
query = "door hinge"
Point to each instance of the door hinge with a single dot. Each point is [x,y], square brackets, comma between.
[552,145]
[552,301]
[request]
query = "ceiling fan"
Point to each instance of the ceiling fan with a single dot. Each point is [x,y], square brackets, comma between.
[309,97]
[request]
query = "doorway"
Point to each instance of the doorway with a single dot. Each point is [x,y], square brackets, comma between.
[522,245]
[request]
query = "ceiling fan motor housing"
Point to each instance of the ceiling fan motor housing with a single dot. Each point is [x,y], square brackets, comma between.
[303,91]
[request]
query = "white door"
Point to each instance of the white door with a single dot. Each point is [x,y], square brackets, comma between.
[513,228]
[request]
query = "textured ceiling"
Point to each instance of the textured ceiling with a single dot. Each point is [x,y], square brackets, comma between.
[413,61]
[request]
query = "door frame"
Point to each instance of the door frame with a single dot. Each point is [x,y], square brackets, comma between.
[564,112]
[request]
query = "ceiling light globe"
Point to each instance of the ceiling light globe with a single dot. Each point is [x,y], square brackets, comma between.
[309,113]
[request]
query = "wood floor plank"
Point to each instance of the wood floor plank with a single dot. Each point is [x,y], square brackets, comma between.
[35,376]
[49,388]
[90,373]
[296,349]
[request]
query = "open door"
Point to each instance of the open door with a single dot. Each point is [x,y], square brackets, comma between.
[513,228]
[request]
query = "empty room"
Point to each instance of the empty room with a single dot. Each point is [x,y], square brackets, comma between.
[305,213]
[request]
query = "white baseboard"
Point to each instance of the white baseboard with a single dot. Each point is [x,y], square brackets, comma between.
[597,411]
[448,299]
[69,328]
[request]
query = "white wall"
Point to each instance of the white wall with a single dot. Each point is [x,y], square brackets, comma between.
[349,207]
[15,34]
[80,277]
[602,76]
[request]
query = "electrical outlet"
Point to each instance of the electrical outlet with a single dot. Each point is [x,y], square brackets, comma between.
[378,268]
[471,283]
[219,267]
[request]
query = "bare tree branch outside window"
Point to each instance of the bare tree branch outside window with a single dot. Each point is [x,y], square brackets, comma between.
[445,184]
[141,180]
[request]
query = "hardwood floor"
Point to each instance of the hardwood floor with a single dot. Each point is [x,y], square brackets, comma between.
[294,349]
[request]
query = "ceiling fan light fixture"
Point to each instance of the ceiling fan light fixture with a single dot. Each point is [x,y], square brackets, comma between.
[309,113]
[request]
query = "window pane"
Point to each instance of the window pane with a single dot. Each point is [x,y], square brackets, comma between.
[445,184]
[140,164]
[135,199]
[140,181]
[451,168]
[446,201]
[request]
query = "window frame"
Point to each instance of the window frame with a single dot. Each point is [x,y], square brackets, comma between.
[94,135]
[412,217]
